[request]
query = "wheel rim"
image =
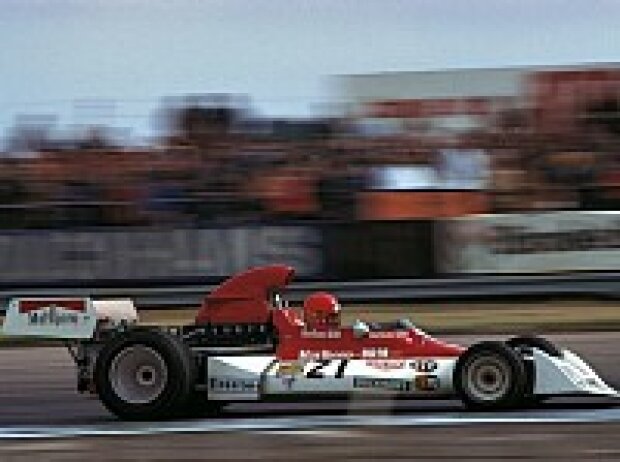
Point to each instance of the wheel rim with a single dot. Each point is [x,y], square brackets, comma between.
[138,375]
[487,378]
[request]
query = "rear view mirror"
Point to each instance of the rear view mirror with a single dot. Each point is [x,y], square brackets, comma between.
[278,301]
[360,329]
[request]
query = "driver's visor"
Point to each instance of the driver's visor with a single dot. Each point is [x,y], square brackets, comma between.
[333,319]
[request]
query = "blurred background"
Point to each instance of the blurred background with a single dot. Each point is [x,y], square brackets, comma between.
[178,140]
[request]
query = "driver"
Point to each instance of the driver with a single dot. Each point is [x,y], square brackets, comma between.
[321,311]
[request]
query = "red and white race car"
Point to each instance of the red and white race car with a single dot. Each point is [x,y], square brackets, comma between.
[246,344]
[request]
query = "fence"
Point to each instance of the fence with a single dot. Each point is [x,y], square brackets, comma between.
[404,259]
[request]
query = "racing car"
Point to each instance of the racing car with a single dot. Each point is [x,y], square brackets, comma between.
[247,344]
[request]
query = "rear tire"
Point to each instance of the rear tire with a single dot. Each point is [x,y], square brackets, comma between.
[144,375]
[490,376]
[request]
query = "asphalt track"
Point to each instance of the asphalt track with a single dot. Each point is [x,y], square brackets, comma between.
[41,417]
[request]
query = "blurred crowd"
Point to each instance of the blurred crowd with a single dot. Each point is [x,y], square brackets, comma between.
[217,164]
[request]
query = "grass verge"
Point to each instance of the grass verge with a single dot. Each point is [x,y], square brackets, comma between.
[445,318]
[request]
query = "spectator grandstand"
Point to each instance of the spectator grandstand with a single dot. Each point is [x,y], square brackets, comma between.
[217,164]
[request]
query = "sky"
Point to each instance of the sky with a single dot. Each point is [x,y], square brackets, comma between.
[111,61]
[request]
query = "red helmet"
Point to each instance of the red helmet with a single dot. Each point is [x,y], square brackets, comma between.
[321,310]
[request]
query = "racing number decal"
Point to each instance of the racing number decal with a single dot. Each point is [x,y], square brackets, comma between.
[341,367]
[317,372]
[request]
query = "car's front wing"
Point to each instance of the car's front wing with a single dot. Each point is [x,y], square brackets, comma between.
[567,375]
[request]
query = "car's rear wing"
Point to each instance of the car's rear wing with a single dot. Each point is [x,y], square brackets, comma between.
[64,317]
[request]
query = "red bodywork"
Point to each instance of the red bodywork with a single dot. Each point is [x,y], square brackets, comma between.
[295,342]
[244,298]
[77,304]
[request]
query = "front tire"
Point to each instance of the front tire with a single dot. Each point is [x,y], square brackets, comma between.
[144,375]
[490,376]
[532,341]
[525,342]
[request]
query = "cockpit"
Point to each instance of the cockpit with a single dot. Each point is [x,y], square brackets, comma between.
[322,311]
[399,324]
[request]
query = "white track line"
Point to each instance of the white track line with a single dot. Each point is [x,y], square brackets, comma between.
[309,422]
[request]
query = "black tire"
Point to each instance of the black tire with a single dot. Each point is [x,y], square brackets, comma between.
[531,341]
[489,376]
[165,357]
[542,344]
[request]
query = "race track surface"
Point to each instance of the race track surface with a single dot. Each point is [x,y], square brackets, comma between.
[41,417]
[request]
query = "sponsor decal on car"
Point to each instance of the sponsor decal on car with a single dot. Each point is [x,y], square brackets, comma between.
[53,315]
[60,312]
[427,382]
[288,381]
[367,353]
[232,385]
[288,369]
[75,305]
[381,384]
[380,352]
[423,365]
[389,334]
[50,317]
[386,364]
[326,354]
[321,334]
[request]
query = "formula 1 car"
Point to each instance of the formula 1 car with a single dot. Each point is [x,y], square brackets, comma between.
[247,344]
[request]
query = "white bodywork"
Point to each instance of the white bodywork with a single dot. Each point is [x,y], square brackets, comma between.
[567,375]
[65,318]
[56,318]
[252,378]
[116,311]
[241,378]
